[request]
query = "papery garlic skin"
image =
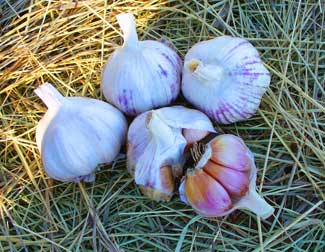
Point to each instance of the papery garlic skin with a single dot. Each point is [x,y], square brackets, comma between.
[221,182]
[140,75]
[194,135]
[77,134]
[225,78]
[156,147]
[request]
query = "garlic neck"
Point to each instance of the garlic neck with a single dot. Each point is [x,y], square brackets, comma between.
[49,95]
[128,27]
[255,203]
[204,72]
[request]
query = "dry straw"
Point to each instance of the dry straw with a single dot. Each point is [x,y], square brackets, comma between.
[67,43]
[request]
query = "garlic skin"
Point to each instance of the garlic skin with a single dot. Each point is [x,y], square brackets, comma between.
[155,150]
[77,134]
[140,75]
[223,180]
[225,78]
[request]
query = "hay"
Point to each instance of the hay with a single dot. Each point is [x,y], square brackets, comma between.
[68,43]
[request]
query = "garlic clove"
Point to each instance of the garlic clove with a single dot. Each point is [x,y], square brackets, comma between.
[234,181]
[167,186]
[140,75]
[205,194]
[236,158]
[152,145]
[155,140]
[167,179]
[77,134]
[194,135]
[226,85]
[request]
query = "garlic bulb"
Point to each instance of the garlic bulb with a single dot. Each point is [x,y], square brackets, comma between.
[141,75]
[76,134]
[223,180]
[156,147]
[225,78]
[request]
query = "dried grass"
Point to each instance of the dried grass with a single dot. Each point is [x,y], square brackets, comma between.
[68,43]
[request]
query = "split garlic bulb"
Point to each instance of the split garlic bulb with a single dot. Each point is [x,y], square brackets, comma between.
[225,78]
[141,75]
[77,134]
[155,151]
[223,180]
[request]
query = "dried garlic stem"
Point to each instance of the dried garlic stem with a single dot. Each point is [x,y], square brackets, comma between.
[49,95]
[127,24]
[255,203]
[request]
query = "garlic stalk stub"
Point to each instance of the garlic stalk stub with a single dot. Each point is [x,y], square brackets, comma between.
[77,134]
[155,151]
[223,180]
[140,75]
[225,78]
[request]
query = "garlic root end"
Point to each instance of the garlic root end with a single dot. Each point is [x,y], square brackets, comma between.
[155,194]
[192,65]
[204,72]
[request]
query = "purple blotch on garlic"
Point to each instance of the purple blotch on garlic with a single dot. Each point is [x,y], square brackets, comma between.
[148,70]
[163,71]
[225,78]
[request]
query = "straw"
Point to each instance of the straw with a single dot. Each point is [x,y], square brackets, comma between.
[67,43]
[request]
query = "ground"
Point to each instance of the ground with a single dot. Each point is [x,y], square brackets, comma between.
[68,43]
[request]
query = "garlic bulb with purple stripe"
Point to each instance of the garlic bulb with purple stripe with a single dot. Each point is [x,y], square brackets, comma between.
[140,75]
[225,78]
[156,144]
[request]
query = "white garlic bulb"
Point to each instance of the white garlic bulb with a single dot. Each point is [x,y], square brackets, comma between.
[77,134]
[141,75]
[155,151]
[225,78]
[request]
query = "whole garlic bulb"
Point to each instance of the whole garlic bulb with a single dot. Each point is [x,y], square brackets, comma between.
[225,78]
[77,134]
[141,75]
[223,180]
[155,150]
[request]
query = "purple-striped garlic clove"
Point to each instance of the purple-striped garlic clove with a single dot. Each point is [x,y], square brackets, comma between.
[225,78]
[205,194]
[235,182]
[140,75]
[223,180]
[236,158]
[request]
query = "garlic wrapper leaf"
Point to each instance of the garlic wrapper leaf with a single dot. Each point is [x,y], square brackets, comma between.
[155,151]
[77,134]
[223,180]
[141,75]
[225,78]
